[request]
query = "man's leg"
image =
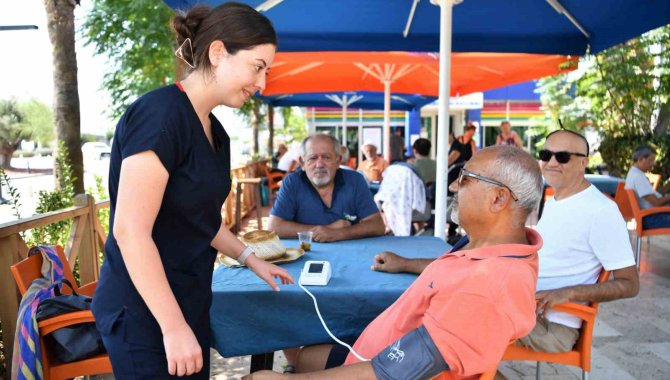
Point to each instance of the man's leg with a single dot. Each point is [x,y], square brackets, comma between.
[315,358]
[548,336]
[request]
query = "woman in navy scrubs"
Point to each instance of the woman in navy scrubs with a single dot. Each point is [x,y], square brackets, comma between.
[169,176]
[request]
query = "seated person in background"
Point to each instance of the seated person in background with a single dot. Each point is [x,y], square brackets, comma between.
[344,158]
[644,158]
[460,152]
[281,151]
[426,166]
[583,232]
[335,204]
[374,165]
[288,162]
[459,315]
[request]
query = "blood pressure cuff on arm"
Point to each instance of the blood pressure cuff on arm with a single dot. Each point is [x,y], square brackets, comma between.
[414,356]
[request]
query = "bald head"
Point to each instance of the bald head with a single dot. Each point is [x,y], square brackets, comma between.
[577,142]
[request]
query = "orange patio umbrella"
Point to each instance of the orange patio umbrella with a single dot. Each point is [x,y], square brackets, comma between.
[406,73]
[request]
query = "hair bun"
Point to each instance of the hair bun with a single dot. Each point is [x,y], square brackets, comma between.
[186,24]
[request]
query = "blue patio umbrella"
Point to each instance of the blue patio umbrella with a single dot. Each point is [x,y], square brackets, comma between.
[367,101]
[521,26]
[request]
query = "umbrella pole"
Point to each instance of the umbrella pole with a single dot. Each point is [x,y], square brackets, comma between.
[387,120]
[344,121]
[443,116]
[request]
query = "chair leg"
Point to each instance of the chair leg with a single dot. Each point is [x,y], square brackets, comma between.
[585,375]
[638,250]
[538,370]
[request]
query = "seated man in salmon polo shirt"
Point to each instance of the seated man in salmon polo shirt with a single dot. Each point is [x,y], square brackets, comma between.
[460,314]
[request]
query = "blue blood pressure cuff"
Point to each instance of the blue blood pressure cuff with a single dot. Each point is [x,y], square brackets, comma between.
[414,356]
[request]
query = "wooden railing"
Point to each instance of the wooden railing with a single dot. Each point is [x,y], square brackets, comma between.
[85,242]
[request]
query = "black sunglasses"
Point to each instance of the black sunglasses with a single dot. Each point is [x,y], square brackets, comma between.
[562,157]
[466,173]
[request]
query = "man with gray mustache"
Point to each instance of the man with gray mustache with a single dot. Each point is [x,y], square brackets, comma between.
[334,204]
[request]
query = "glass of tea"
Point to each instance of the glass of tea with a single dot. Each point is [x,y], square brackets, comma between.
[305,238]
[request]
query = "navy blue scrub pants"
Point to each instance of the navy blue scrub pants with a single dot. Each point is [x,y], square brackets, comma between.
[137,352]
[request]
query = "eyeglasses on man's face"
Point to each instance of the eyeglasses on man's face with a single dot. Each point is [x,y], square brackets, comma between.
[466,173]
[563,157]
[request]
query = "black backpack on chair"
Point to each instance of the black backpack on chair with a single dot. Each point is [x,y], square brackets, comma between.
[74,342]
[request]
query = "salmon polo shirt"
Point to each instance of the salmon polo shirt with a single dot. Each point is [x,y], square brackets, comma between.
[471,302]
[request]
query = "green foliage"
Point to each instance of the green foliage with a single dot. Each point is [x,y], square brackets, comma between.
[60,198]
[295,125]
[12,125]
[100,193]
[136,38]
[87,137]
[623,92]
[14,195]
[39,120]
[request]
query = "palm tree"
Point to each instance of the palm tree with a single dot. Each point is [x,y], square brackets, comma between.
[12,131]
[60,24]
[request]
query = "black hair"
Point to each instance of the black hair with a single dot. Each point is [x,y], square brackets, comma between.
[422,146]
[238,26]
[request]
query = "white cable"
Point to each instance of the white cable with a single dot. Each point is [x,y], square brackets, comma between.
[316,306]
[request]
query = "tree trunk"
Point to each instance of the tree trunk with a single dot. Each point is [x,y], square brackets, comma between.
[271,130]
[661,128]
[256,122]
[5,159]
[60,24]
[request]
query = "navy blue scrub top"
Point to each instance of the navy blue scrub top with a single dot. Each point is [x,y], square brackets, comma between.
[165,122]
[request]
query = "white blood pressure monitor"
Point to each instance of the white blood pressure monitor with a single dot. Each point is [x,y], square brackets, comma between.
[315,273]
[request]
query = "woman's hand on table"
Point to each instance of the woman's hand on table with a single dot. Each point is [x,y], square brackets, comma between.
[184,355]
[267,271]
[389,262]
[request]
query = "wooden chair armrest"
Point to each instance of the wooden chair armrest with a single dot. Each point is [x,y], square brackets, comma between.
[249,180]
[88,289]
[584,312]
[52,324]
[654,210]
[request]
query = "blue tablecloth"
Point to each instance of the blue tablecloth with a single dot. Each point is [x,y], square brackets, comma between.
[247,317]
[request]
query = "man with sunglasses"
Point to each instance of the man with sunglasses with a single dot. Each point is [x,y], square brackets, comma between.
[459,315]
[583,232]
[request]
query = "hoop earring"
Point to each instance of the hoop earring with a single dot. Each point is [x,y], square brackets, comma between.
[180,53]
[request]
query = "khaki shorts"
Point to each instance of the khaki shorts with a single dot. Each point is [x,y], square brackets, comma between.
[548,336]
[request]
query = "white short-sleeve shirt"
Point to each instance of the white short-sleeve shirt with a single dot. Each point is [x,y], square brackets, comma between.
[636,180]
[582,234]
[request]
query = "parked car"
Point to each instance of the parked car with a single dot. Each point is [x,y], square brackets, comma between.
[95,150]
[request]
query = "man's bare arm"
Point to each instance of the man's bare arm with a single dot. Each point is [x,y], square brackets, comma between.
[372,225]
[393,263]
[286,228]
[626,284]
[657,202]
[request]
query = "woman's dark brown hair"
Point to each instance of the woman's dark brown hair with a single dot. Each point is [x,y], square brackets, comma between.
[238,26]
